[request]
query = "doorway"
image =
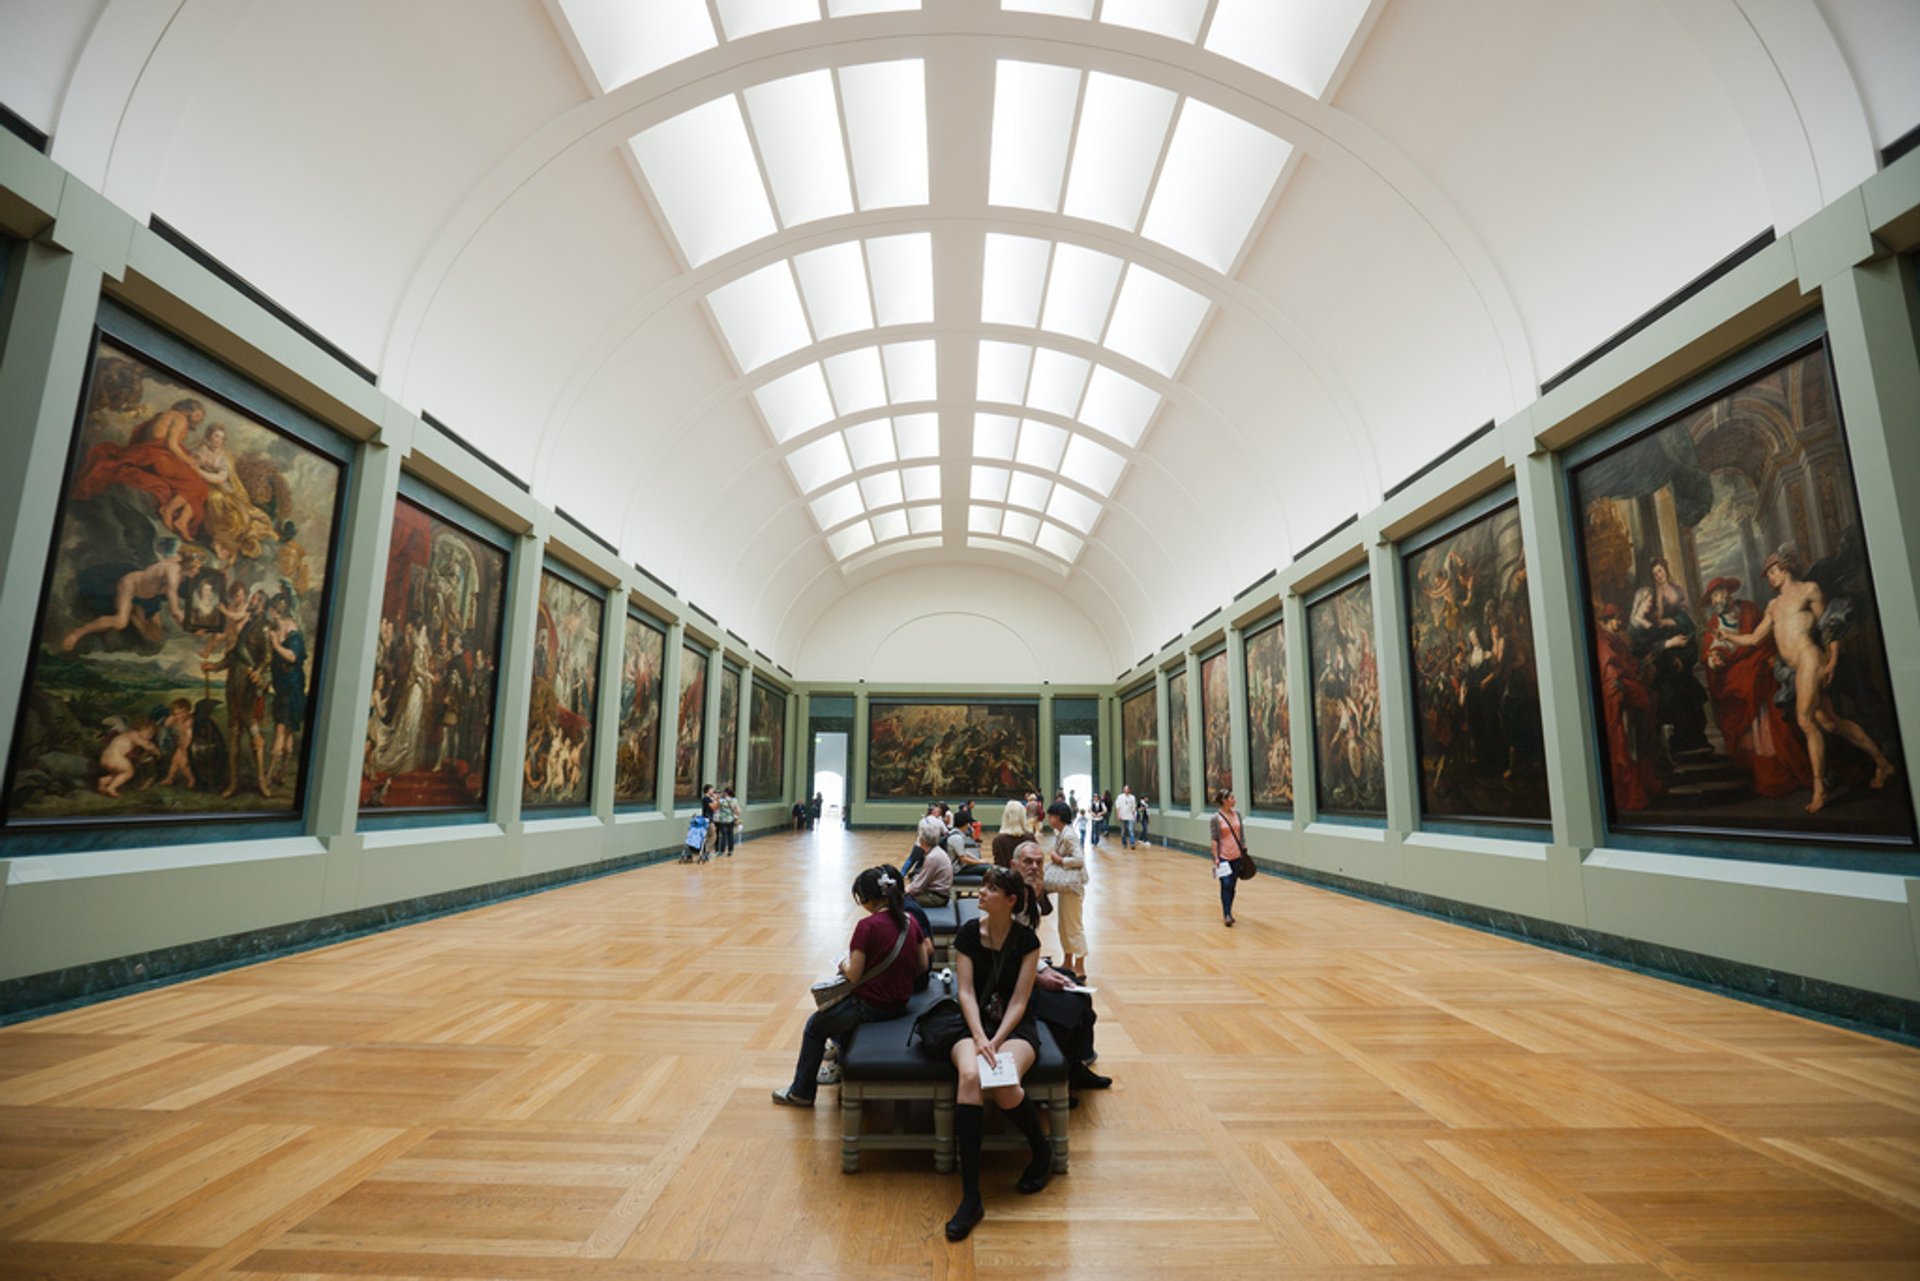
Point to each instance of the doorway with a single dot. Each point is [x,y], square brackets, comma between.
[1075,755]
[830,775]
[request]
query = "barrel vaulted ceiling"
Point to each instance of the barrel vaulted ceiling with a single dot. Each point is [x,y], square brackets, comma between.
[817,305]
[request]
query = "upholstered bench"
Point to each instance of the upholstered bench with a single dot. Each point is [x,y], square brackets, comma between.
[946,922]
[878,1063]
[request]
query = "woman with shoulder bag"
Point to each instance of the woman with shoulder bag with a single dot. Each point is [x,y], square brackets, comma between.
[1067,881]
[1229,847]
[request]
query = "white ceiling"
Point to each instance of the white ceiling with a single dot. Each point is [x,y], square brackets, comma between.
[1115,301]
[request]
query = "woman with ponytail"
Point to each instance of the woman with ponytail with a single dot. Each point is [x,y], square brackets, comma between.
[880,987]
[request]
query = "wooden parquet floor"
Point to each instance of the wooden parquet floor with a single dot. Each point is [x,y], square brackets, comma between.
[574,1085]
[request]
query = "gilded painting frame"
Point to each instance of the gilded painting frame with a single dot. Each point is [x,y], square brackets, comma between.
[556,771]
[1216,725]
[1140,740]
[1263,659]
[1344,659]
[766,743]
[642,713]
[897,728]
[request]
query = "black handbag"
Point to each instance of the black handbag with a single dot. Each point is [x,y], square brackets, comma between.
[940,1027]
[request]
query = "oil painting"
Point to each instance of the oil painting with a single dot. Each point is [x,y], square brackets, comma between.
[766,742]
[566,675]
[727,751]
[1216,726]
[1269,720]
[1181,739]
[935,750]
[636,771]
[690,725]
[1350,774]
[1140,744]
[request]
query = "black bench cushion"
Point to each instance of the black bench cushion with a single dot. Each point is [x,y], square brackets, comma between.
[883,1052]
[944,919]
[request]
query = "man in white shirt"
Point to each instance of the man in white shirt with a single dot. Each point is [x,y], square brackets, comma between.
[1126,809]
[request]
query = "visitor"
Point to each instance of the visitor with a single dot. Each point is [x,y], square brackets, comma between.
[1127,810]
[1228,844]
[1067,879]
[932,885]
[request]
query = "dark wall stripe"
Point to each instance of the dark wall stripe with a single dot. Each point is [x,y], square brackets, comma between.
[18,125]
[1441,457]
[492,462]
[1348,523]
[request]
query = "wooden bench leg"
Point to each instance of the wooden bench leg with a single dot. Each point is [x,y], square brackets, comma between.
[852,1110]
[1057,1131]
[943,1132]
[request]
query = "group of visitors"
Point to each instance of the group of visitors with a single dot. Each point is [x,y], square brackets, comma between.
[806,813]
[716,832]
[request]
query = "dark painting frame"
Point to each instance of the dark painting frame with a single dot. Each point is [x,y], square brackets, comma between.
[1140,740]
[1017,717]
[1269,727]
[545,721]
[1179,735]
[726,752]
[1216,725]
[636,710]
[690,725]
[1347,693]
[766,743]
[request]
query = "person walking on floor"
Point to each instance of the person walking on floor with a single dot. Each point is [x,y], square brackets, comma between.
[1126,808]
[1228,844]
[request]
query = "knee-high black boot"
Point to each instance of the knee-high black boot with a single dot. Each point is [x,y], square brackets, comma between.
[967,1120]
[1026,1118]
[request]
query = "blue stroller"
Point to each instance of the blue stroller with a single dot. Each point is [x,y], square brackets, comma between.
[696,838]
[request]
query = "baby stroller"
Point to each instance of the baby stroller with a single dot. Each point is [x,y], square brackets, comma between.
[696,838]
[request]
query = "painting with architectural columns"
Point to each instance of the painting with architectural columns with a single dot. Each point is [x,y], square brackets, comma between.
[636,771]
[688,757]
[952,750]
[182,619]
[1216,726]
[1180,738]
[1269,720]
[766,743]
[1140,744]
[1476,693]
[1350,775]
[1739,674]
[566,680]
[436,662]
[727,751]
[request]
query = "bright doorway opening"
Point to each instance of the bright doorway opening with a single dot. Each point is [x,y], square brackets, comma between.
[830,775]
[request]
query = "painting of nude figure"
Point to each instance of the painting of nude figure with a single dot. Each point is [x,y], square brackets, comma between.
[182,618]
[1739,674]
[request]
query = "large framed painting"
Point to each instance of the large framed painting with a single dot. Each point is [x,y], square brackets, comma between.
[766,743]
[429,738]
[1269,719]
[1216,726]
[1739,674]
[1350,776]
[1476,689]
[1180,739]
[689,758]
[933,750]
[636,771]
[183,612]
[726,752]
[1140,743]
[566,677]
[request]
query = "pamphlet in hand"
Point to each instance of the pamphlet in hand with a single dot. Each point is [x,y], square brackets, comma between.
[994,1075]
[1222,870]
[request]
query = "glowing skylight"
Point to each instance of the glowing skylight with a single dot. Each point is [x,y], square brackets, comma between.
[760,316]
[745,17]
[797,123]
[882,489]
[1217,176]
[902,268]
[989,484]
[1058,380]
[1040,445]
[624,41]
[1014,278]
[1179,19]
[847,8]
[920,484]
[1003,371]
[856,537]
[1032,125]
[1059,542]
[701,168]
[983,520]
[924,520]
[1117,405]
[820,463]
[993,435]
[1071,507]
[1079,292]
[794,403]
[1094,466]
[1115,149]
[1062,8]
[1299,44]
[1155,320]
[1029,490]
[834,282]
[870,444]
[856,380]
[890,524]
[911,371]
[1019,525]
[886,113]
[918,434]
[836,506]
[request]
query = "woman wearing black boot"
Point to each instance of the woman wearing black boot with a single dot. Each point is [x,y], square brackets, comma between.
[997,957]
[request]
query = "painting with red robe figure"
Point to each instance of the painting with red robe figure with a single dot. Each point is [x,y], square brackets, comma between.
[558,769]
[934,750]
[1181,738]
[1476,694]
[435,667]
[766,743]
[688,756]
[1140,744]
[1350,775]
[1740,677]
[727,751]
[1269,720]
[1216,726]
[636,771]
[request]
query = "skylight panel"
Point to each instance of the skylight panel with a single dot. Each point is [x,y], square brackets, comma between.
[701,170]
[1218,175]
[1040,445]
[624,41]
[1012,282]
[920,484]
[924,520]
[882,490]
[902,268]
[856,537]
[834,283]
[795,403]
[993,435]
[1059,542]
[1117,405]
[797,123]
[1032,124]
[886,110]
[918,434]
[1019,525]
[1003,371]
[891,524]
[855,379]
[847,8]
[836,506]
[989,484]
[1060,8]
[759,315]
[1122,124]
[1299,44]
[1155,320]
[911,373]
[871,444]
[1079,292]
[820,463]
[1095,466]
[983,520]
[1029,490]
[1071,507]
[1179,19]
[747,17]
[1058,380]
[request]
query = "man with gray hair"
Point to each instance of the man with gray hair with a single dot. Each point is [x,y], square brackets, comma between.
[932,885]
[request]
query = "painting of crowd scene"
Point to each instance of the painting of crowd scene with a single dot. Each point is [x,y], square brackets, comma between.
[952,750]
[636,770]
[1216,726]
[1350,774]
[566,674]
[1476,690]
[1740,676]
[727,751]
[1269,720]
[1140,744]
[430,719]
[181,622]
[691,724]
[766,743]
[1181,738]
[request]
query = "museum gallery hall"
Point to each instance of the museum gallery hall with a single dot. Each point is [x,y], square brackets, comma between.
[533,533]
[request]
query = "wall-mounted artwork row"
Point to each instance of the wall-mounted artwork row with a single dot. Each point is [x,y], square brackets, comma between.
[1216,726]
[727,751]
[1740,677]
[183,612]
[689,747]
[1140,744]
[566,673]
[1476,689]
[1349,772]
[636,770]
[1269,720]
[953,750]
[435,668]
[1181,738]
[766,743]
